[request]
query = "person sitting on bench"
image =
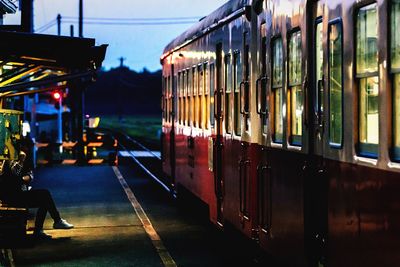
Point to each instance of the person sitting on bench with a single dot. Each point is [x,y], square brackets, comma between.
[15,175]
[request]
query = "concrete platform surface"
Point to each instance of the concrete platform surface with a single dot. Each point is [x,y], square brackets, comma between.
[107,231]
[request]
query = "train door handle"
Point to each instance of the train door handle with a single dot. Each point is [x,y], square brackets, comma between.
[261,86]
[243,189]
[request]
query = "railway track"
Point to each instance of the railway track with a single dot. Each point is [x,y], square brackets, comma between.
[146,159]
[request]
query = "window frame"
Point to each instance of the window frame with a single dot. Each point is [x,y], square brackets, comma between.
[228,93]
[212,94]
[237,115]
[206,96]
[395,150]
[200,94]
[263,95]
[336,21]
[274,88]
[294,140]
[364,149]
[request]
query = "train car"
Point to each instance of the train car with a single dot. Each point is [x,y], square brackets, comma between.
[284,119]
[205,125]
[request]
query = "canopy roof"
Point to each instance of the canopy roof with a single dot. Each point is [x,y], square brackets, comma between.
[32,62]
[6,6]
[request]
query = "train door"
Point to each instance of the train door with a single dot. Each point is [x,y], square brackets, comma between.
[172,132]
[264,189]
[316,188]
[218,141]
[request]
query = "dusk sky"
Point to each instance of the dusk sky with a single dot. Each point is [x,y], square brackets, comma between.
[141,45]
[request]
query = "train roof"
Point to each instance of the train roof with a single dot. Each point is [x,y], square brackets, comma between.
[207,23]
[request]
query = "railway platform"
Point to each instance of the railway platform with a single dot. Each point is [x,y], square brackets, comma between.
[123,218]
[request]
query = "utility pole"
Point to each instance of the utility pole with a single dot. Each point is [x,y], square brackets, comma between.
[27,15]
[58,24]
[121,60]
[59,123]
[71,30]
[80,18]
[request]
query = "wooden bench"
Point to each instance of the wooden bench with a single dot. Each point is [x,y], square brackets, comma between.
[13,221]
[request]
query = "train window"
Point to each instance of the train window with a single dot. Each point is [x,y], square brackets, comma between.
[183,96]
[212,90]
[237,77]
[368,81]
[187,98]
[179,96]
[190,97]
[396,114]
[367,40]
[319,74]
[204,105]
[335,84]
[228,90]
[277,88]
[246,92]
[262,102]
[195,97]
[182,90]
[169,98]
[395,66]
[200,96]
[164,99]
[295,92]
[395,36]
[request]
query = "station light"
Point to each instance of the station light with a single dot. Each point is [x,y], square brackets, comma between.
[56,95]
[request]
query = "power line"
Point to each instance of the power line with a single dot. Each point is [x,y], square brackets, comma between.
[132,23]
[46,26]
[137,19]
[121,21]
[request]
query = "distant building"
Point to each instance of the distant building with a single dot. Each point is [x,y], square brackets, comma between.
[6,7]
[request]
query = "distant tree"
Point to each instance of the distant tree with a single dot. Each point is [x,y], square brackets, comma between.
[124,92]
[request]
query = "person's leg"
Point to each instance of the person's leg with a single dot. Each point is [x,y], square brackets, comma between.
[43,200]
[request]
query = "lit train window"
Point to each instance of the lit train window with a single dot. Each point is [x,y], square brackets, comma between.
[295,91]
[395,60]
[190,97]
[263,102]
[164,98]
[204,105]
[228,90]
[183,87]
[179,85]
[368,81]
[237,79]
[195,97]
[199,103]
[187,98]
[193,101]
[169,98]
[335,85]
[395,37]
[277,87]
[246,97]
[212,90]
[319,72]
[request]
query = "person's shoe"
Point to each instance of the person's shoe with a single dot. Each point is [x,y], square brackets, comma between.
[40,235]
[62,224]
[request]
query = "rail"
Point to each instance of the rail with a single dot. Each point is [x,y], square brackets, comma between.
[144,168]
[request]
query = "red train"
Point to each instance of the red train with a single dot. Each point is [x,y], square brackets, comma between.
[284,118]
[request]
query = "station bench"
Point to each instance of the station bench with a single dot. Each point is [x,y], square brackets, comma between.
[13,221]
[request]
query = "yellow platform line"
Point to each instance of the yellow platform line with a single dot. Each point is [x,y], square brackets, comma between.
[146,223]
[96,161]
[69,161]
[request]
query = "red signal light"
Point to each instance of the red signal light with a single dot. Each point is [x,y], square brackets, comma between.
[56,95]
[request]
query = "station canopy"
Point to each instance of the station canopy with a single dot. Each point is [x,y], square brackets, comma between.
[32,63]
